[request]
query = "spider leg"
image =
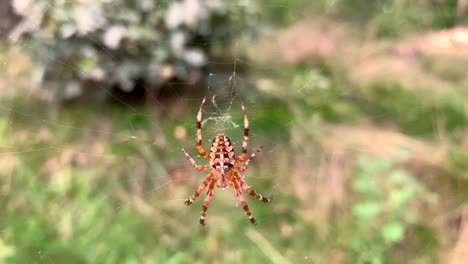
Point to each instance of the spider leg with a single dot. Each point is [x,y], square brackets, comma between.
[199,132]
[246,137]
[194,164]
[249,190]
[208,196]
[241,199]
[246,164]
[199,190]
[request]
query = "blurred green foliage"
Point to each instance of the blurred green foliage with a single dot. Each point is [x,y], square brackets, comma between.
[381,210]
[395,18]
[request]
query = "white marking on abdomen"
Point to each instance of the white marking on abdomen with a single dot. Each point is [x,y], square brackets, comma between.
[221,157]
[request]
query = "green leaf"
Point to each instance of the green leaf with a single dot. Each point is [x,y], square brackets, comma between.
[399,198]
[400,177]
[393,232]
[364,185]
[367,210]
[87,63]
[369,166]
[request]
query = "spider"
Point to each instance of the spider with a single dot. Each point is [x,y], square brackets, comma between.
[224,172]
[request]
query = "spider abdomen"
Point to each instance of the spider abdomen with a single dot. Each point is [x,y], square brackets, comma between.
[222,153]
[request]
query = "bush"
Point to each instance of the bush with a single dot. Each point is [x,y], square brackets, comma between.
[384,209]
[104,44]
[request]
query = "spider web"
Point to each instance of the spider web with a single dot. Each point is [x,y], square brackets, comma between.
[158,177]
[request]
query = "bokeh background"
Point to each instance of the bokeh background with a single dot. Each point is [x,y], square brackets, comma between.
[360,106]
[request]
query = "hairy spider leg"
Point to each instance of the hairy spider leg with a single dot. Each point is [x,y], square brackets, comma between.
[243,156]
[199,132]
[199,190]
[249,190]
[194,164]
[246,164]
[208,196]
[241,199]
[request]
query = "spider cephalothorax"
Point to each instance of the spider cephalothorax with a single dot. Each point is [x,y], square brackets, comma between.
[223,165]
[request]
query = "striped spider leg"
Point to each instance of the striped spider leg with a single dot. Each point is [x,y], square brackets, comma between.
[224,169]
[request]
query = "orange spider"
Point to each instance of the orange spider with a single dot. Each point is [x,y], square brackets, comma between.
[223,165]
